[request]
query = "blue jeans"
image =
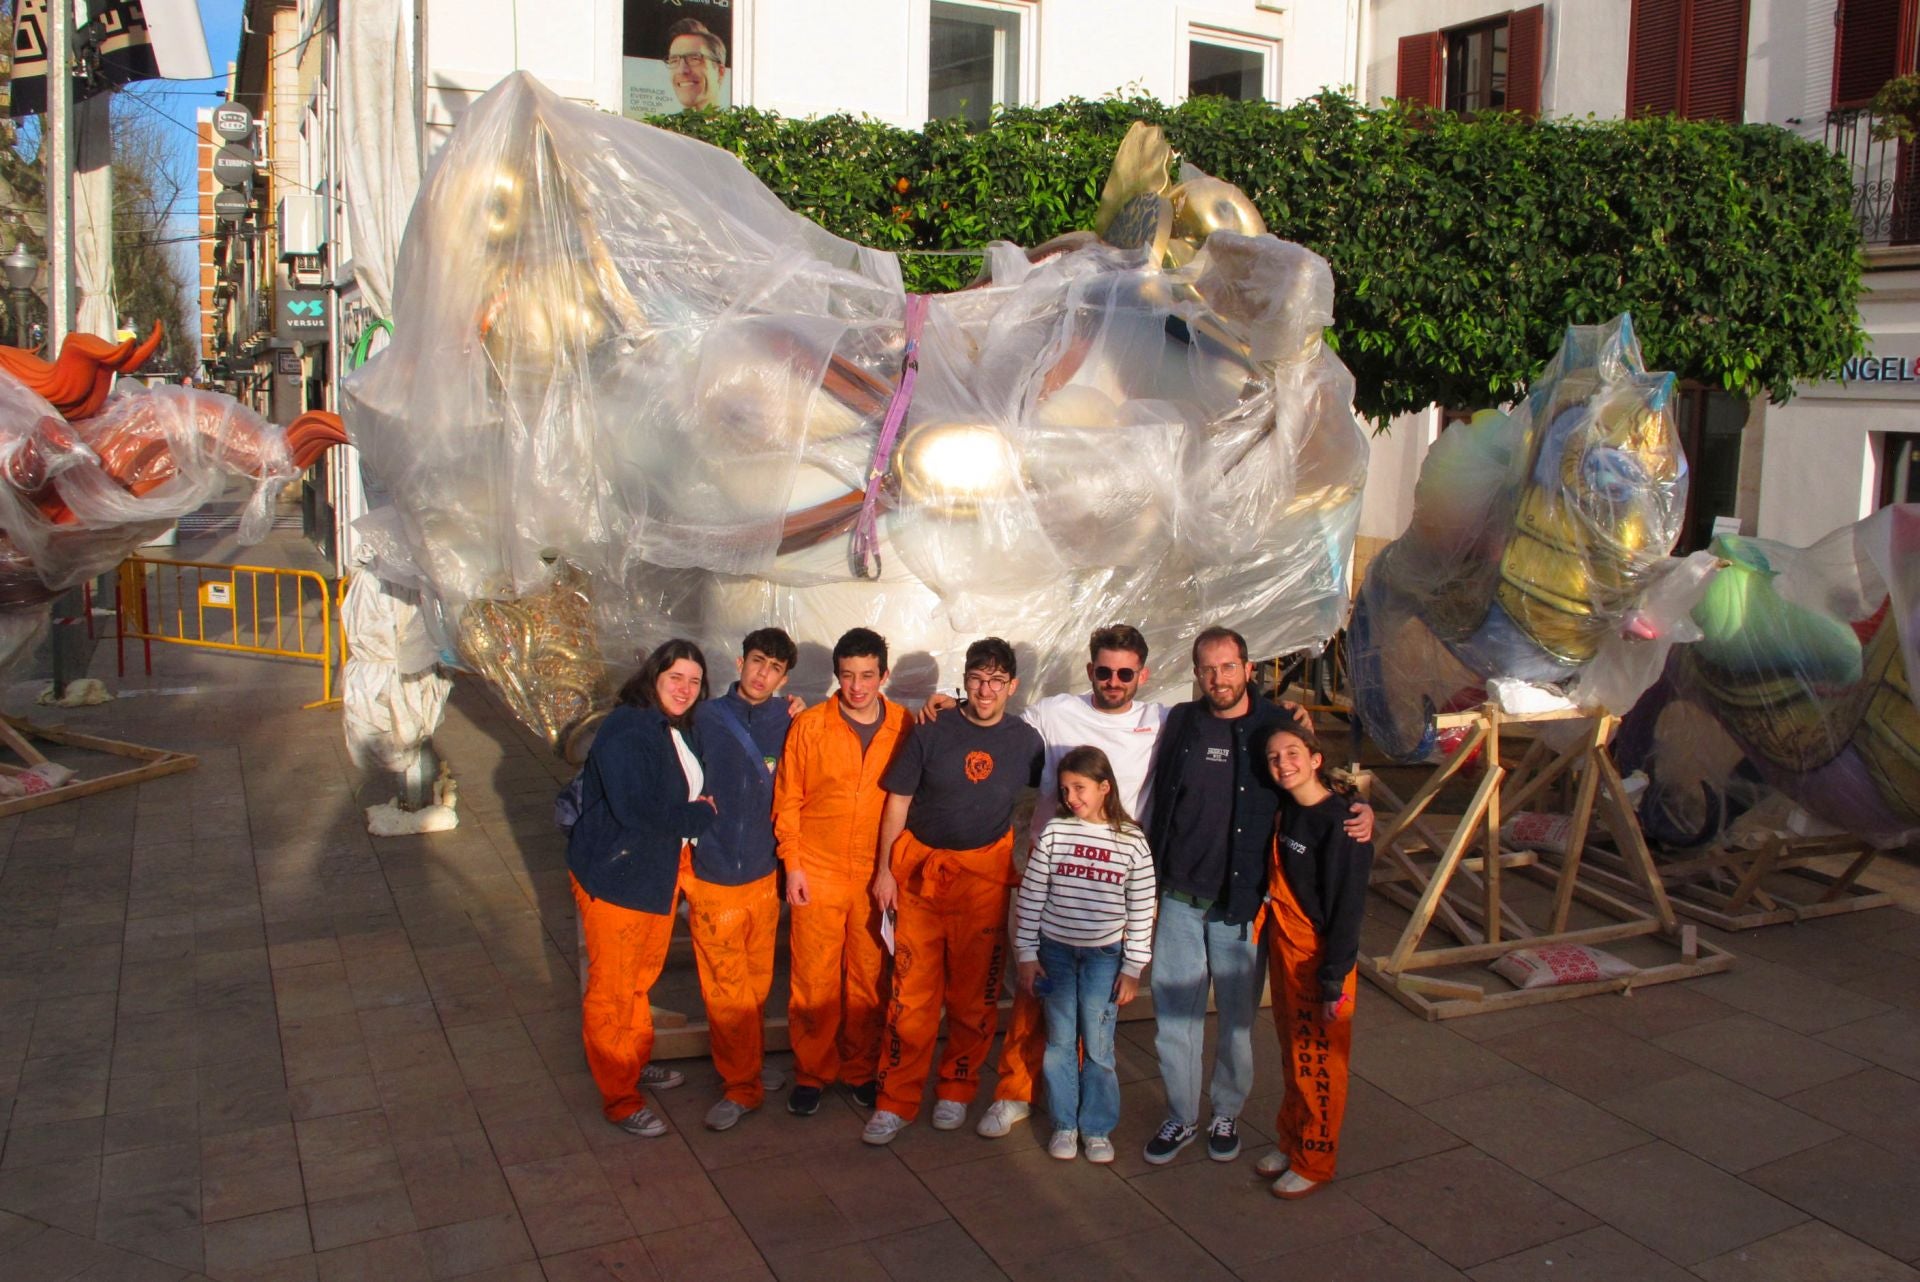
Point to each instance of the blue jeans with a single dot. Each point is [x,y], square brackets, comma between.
[1194,951]
[1081,1095]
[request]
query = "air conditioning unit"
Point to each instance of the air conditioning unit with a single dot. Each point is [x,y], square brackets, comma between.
[302,222]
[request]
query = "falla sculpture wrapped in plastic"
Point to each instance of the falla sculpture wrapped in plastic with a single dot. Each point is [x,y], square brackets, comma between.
[632,395]
[1800,684]
[1535,535]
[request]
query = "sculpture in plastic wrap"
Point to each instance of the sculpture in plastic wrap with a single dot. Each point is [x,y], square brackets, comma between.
[1799,685]
[87,477]
[1534,535]
[632,395]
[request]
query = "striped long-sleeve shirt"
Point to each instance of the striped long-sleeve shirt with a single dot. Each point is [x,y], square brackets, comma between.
[1088,886]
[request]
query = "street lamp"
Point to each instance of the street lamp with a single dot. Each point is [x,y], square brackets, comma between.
[22,269]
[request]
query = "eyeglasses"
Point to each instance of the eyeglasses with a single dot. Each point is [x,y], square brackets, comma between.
[1222,670]
[1102,672]
[981,681]
[677,61]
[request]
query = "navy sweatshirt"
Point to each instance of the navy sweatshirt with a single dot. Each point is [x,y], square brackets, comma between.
[739,848]
[1327,873]
[634,812]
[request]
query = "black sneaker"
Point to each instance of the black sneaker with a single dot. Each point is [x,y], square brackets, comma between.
[1223,1139]
[866,1094]
[803,1101]
[1173,1137]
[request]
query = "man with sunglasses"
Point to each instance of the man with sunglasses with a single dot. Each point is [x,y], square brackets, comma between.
[948,877]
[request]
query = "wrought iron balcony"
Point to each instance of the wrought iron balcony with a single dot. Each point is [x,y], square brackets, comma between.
[1886,178]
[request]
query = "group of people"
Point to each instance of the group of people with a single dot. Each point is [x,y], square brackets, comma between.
[1194,838]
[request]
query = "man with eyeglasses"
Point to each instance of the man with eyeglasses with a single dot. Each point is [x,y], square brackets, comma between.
[948,828]
[1211,810]
[696,60]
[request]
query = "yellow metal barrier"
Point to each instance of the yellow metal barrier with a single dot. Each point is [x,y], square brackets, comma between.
[247,609]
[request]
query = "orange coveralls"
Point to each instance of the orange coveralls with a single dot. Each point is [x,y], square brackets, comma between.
[949,946]
[827,803]
[1316,1052]
[1023,1048]
[733,929]
[625,951]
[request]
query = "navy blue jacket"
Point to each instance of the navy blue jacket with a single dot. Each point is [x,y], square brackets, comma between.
[634,812]
[739,848]
[1256,797]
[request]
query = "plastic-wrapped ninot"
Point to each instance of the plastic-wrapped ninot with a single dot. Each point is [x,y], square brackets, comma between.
[633,396]
[1798,684]
[1535,534]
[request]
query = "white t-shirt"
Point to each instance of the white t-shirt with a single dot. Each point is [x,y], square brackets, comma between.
[690,767]
[1067,721]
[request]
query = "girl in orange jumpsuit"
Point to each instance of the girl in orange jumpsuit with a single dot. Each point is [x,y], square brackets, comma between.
[642,804]
[1317,889]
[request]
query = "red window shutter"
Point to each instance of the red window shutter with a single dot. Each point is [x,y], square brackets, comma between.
[1872,45]
[1714,84]
[1526,31]
[1654,37]
[1418,75]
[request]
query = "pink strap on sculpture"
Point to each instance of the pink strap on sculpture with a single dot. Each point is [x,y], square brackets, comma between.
[863,550]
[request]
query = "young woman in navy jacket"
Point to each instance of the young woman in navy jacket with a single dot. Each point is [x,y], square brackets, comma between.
[643,803]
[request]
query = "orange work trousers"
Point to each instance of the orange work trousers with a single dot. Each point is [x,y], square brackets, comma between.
[625,951]
[837,975]
[733,929]
[949,946]
[1023,1049]
[1316,1052]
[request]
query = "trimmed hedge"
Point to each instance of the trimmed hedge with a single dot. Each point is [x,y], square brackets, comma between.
[1460,247]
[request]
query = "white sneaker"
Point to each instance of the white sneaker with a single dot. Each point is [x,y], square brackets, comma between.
[1271,1165]
[949,1115]
[1099,1149]
[1065,1145]
[661,1078]
[646,1124]
[997,1122]
[882,1127]
[1294,1185]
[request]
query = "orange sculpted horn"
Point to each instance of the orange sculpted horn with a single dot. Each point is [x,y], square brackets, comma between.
[313,434]
[78,382]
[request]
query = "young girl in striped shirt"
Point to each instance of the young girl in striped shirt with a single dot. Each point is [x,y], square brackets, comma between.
[1084,934]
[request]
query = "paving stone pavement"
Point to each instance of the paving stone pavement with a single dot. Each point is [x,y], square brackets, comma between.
[241,1039]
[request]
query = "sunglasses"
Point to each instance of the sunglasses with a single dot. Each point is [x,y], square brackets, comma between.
[1102,672]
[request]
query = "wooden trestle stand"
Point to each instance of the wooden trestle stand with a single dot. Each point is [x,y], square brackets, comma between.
[1458,877]
[17,734]
[1770,884]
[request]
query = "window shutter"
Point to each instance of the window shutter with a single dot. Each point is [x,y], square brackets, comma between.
[1418,75]
[1526,30]
[1716,61]
[1868,48]
[1653,58]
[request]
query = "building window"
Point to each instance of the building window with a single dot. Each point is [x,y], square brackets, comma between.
[1496,64]
[1711,423]
[1899,468]
[1687,58]
[973,62]
[1477,69]
[1226,71]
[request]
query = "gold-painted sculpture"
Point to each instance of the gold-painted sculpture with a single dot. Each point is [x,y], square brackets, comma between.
[538,653]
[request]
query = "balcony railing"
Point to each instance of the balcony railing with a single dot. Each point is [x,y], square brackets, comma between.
[1886,178]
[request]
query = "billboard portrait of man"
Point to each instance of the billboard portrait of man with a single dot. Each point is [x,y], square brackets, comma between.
[675,56]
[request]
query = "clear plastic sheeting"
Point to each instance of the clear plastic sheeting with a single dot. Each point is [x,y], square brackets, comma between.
[391,692]
[633,396]
[77,498]
[1536,534]
[1799,685]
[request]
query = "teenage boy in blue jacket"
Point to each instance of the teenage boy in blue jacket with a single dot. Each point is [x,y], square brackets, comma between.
[733,898]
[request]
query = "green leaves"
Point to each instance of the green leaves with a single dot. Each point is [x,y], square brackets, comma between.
[1460,247]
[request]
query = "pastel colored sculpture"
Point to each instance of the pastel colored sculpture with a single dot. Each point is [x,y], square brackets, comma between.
[1534,535]
[1800,684]
[632,395]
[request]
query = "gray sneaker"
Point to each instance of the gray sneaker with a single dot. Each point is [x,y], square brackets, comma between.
[646,1123]
[725,1115]
[661,1078]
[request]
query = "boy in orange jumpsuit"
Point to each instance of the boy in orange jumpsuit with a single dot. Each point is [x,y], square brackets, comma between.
[827,802]
[948,827]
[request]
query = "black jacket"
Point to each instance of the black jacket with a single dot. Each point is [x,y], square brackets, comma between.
[634,813]
[1256,798]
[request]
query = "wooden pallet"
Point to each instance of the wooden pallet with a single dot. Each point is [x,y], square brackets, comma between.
[1768,885]
[1430,867]
[18,734]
